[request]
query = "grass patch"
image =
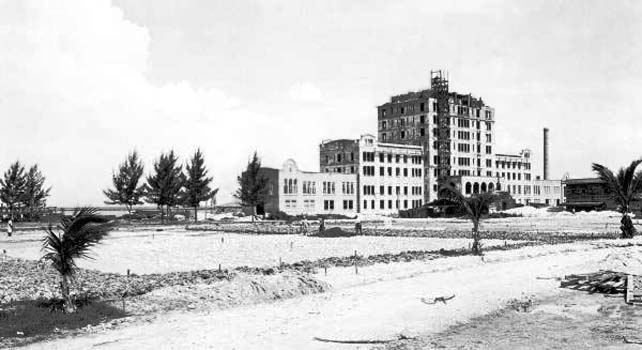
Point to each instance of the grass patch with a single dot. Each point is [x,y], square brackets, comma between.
[28,321]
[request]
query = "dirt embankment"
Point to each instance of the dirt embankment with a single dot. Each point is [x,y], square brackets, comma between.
[370,229]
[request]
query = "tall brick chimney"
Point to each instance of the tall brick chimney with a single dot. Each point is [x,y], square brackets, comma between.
[545,153]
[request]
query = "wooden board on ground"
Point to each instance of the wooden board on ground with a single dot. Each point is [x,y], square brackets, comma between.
[634,289]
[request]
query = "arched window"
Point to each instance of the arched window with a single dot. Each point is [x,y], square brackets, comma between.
[491,187]
[499,186]
[468,186]
[290,186]
[476,188]
[483,187]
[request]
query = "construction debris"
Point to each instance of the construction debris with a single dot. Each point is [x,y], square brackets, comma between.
[605,282]
[437,299]
[364,341]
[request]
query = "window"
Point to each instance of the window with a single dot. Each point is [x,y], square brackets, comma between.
[489,150]
[383,137]
[390,190]
[422,107]
[389,204]
[382,204]
[338,158]
[403,134]
[405,172]
[328,205]
[381,157]
[381,171]
[308,204]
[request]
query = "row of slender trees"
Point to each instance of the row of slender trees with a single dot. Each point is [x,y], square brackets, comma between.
[23,190]
[168,185]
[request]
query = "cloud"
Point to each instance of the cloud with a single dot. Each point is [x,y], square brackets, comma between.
[305,92]
[75,98]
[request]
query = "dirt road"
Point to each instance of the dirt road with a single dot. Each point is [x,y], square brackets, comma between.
[374,310]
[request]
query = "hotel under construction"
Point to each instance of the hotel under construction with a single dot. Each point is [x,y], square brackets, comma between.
[426,139]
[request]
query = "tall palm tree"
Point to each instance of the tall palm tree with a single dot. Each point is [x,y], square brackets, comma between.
[475,206]
[74,237]
[623,187]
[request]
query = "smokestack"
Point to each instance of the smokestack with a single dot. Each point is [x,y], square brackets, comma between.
[545,153]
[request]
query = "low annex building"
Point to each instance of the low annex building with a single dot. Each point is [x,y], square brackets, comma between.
[515,176]
[297,192]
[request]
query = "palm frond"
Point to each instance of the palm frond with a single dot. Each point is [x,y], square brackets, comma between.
[78,233]
[474,205]
[611,180]
[624,185]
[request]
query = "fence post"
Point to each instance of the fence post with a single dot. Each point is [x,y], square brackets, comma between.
[356,267]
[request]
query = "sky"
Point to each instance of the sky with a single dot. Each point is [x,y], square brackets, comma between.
[82,83]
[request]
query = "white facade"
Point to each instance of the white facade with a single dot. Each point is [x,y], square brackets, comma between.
[412,118]
[306,193]
[390,176]
[515,174]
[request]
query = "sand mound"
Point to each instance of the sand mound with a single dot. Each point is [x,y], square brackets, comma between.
[628,261]
[243,290]
[333,232]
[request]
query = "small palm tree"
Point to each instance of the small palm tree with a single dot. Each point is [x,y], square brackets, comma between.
[475,206]
[75,236]
[623,187]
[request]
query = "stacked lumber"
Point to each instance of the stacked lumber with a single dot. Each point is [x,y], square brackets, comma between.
[605,282]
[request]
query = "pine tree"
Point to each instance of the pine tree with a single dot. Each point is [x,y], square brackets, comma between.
[35,195]
[252,185]
[197,187]
[12,186]
[164,187]
[126,190]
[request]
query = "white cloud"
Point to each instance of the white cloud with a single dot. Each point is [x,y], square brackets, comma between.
[74,97]
[305,92]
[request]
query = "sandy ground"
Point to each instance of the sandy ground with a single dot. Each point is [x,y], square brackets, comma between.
[568,320]
[144,252]
[382,302]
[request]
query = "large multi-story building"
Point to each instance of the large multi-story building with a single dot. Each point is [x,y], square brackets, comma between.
[455,130]
[389,176]
[297,192]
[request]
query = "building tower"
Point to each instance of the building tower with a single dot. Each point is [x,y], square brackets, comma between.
[455,130]
[439,86]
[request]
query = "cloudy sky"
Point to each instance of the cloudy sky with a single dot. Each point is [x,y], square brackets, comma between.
[84,82]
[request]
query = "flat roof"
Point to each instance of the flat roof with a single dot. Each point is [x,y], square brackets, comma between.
[584,180]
